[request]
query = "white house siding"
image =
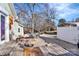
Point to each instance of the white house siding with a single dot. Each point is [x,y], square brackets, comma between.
[69,34]
[15,30]
[6,7]
[7,29]
[6,25]
[77,23]
[0,28]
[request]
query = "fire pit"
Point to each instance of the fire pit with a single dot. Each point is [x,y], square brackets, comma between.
[25,43]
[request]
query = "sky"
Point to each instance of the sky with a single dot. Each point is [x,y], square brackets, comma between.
[68,11]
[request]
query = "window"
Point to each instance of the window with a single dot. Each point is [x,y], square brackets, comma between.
[18,29]
[2,27]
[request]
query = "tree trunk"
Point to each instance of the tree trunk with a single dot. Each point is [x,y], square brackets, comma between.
[48,28]
[32,23]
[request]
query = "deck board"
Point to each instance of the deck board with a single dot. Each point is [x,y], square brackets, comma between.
[56,49]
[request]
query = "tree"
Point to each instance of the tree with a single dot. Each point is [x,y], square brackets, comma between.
[50,14]
[61,22]
[29,10]
[39,19]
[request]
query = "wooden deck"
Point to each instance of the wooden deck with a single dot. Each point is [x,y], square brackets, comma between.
[41,48]
[56,49]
